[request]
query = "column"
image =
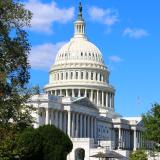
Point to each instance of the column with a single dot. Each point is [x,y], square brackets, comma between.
[129,139]
[39,117]
[73,124]
[106,99]
[97,97]
[125,137]
[65,122]
[60,120]
[88,126]
[113,101]
[55,92]
[74,74]
[95,129]
[60,92]
[47,116]
[91,95]
[66,92]
[94,76]
[84,76]
[119,139]
[79,93]
[85,126]
[122,139]
[69,75]
[81,125]
[69,124]
[77,125]
[85,93]
[135,140]
[73,94]
[79,75]
[98,76]
[89,75]
[102,98]
[109,95]
[91,127]
[51,119]
[56,118]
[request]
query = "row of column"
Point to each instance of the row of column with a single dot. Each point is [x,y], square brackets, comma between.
[79,75]
[83,125]
[131,139]
[79,28]
[100,98]
[140,142]
[124,139]
[76,125]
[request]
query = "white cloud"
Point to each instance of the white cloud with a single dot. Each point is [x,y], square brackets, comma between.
[106,16]
[45,14]
[115,59]
[43,56]
[135,32]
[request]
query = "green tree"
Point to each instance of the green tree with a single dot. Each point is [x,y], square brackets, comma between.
[151,122]
[45,143]
[14,66]
[138,155]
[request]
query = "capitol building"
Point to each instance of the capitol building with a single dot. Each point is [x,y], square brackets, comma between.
[79,99]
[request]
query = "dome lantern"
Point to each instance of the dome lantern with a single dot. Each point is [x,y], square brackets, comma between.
[79,24]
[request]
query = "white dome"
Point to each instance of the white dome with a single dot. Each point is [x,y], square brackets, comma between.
[79,49]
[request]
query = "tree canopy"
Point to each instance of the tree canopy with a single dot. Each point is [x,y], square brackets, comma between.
[138,155]
[151,122]
[14,66]
[45,143]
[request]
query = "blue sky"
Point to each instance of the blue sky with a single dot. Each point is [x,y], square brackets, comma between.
[126,31]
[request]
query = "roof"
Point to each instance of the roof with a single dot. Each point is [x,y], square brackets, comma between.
[109,154]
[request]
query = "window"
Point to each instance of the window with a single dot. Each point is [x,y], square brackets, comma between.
[76,75]
[81,53]
[71,75]
[100,78]
[86,75]
[91,75]
[61,76]
[66,75]
[81,75]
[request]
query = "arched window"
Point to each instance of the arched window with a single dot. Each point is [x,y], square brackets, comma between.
[71,75]
[91,75]
[57,76]
[61,76]
[76,75]
[81,75]
[96,76]
[86,75]
[79,154]
[100,77]
[66,75]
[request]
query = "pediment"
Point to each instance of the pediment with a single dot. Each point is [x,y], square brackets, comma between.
[84,101]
